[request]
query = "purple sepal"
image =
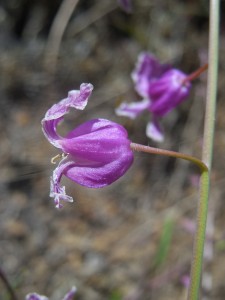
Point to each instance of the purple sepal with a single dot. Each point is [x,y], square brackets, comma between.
[132,110]
[95,154]
[147,70]
[168,92]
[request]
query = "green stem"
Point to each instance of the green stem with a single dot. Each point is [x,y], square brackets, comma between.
[197,257]
[211,83]
[208,137]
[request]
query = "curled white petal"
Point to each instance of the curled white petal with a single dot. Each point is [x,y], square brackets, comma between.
[154,132]
[133,109]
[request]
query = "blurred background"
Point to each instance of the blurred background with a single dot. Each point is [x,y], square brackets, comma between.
[133,239]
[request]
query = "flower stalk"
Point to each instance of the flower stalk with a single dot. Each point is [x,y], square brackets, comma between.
[207,151]
[196,74]
[151,150]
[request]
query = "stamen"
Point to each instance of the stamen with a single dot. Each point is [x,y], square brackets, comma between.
[53,159]
[58,156]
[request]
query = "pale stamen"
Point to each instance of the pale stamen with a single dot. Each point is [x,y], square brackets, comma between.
[57,157]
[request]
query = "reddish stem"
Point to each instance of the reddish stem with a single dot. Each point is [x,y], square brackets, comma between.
[195,74]
[158,151]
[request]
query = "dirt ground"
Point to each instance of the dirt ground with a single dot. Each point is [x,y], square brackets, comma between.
[133,239]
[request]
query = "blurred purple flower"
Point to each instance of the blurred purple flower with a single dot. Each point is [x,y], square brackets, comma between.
[34,296]
[148,69]
[95,154]
[126,5]
[162,89]
[185,280]
[68,296]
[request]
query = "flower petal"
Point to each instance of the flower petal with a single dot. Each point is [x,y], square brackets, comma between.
[147,70]
[154,132]
[101,153]
[56,191]
[169,91]
[100,175]
[132,110]
[70,294]
[96,141]
[34,296]
[77,99]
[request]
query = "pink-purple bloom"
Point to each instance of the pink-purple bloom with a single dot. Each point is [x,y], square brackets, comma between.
[94,154]
[162,89]
[68,296]
[35,296]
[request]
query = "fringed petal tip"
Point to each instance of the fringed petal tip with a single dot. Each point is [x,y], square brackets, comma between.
[154,132]
[58,192]
[132,110]
[78,99]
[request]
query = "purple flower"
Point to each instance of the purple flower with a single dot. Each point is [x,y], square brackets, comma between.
[34,296]
[162,89]
[68,296]
[94,154]
[185,280]
[148,70]
[168,92]
[126,5]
